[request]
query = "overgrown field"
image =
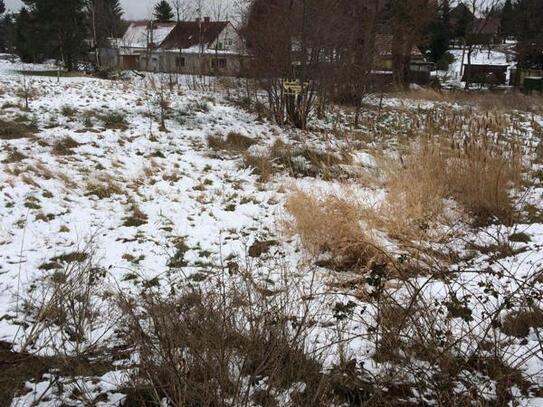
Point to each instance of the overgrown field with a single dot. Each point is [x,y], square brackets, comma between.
[162,241]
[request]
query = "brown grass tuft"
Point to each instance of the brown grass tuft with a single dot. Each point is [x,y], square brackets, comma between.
[477,174]
[12,130]
[104,188]
[333,226]
[234,142]
[65,146]
[518,324]
[482,100]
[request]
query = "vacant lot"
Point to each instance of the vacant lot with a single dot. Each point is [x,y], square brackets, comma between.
[163,243]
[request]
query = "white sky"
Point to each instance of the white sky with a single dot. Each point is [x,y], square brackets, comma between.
[133,9]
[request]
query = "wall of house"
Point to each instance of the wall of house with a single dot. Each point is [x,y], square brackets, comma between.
[193,64]
[109,57]
[229,40]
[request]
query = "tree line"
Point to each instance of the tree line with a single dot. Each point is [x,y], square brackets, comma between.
[330,47]
[67,32]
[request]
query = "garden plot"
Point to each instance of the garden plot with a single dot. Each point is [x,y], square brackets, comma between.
[156,188]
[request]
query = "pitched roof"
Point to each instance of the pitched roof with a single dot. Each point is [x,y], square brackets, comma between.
[383,46]
[487,26]
[188,34]
[138,34]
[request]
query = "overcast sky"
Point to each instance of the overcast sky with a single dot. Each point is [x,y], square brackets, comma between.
[133,9]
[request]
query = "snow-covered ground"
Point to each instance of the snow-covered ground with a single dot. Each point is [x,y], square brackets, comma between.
[163,187]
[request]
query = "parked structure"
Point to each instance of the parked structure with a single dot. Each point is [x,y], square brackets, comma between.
[485,74]
[419,68]
[528,79]
[201,47]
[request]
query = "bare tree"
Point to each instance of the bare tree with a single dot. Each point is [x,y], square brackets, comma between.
[409,22]
[182,9]
[475,27]
[324,51]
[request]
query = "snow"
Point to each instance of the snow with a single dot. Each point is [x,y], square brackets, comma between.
[480,56]
[138,36]
[186,190]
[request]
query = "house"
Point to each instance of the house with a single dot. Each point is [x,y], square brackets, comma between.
[480,29]
[487,30]
[141,38]
[419,68]
[202,47]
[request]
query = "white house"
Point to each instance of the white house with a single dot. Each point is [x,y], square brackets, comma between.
[192,47]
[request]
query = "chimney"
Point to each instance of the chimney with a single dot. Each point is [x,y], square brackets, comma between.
[207,19]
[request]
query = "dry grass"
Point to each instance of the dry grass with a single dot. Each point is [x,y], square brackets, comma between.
[519,323]
[299,161]
[261,166]
[483,100]
[333,226]
[136,218]
[234,142]
[12,130]
[416,191]
[432,188]
[477,174]
[114,120]
[65,146]
[104,188]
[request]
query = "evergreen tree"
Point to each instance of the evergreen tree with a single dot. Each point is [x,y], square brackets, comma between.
[507,19]
[163,11]
[105,20]
[61,29]
[6,33]
[464,21]
[29,43]
[2,7]
[440,33]
[528,30]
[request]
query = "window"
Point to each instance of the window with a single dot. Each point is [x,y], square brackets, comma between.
[179,62]
[218,63]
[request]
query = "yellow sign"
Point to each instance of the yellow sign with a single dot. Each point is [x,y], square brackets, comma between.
[293,88]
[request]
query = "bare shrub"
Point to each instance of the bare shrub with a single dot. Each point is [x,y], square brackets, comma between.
[335,226]
[226,345]
[65,314]
[64,307]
